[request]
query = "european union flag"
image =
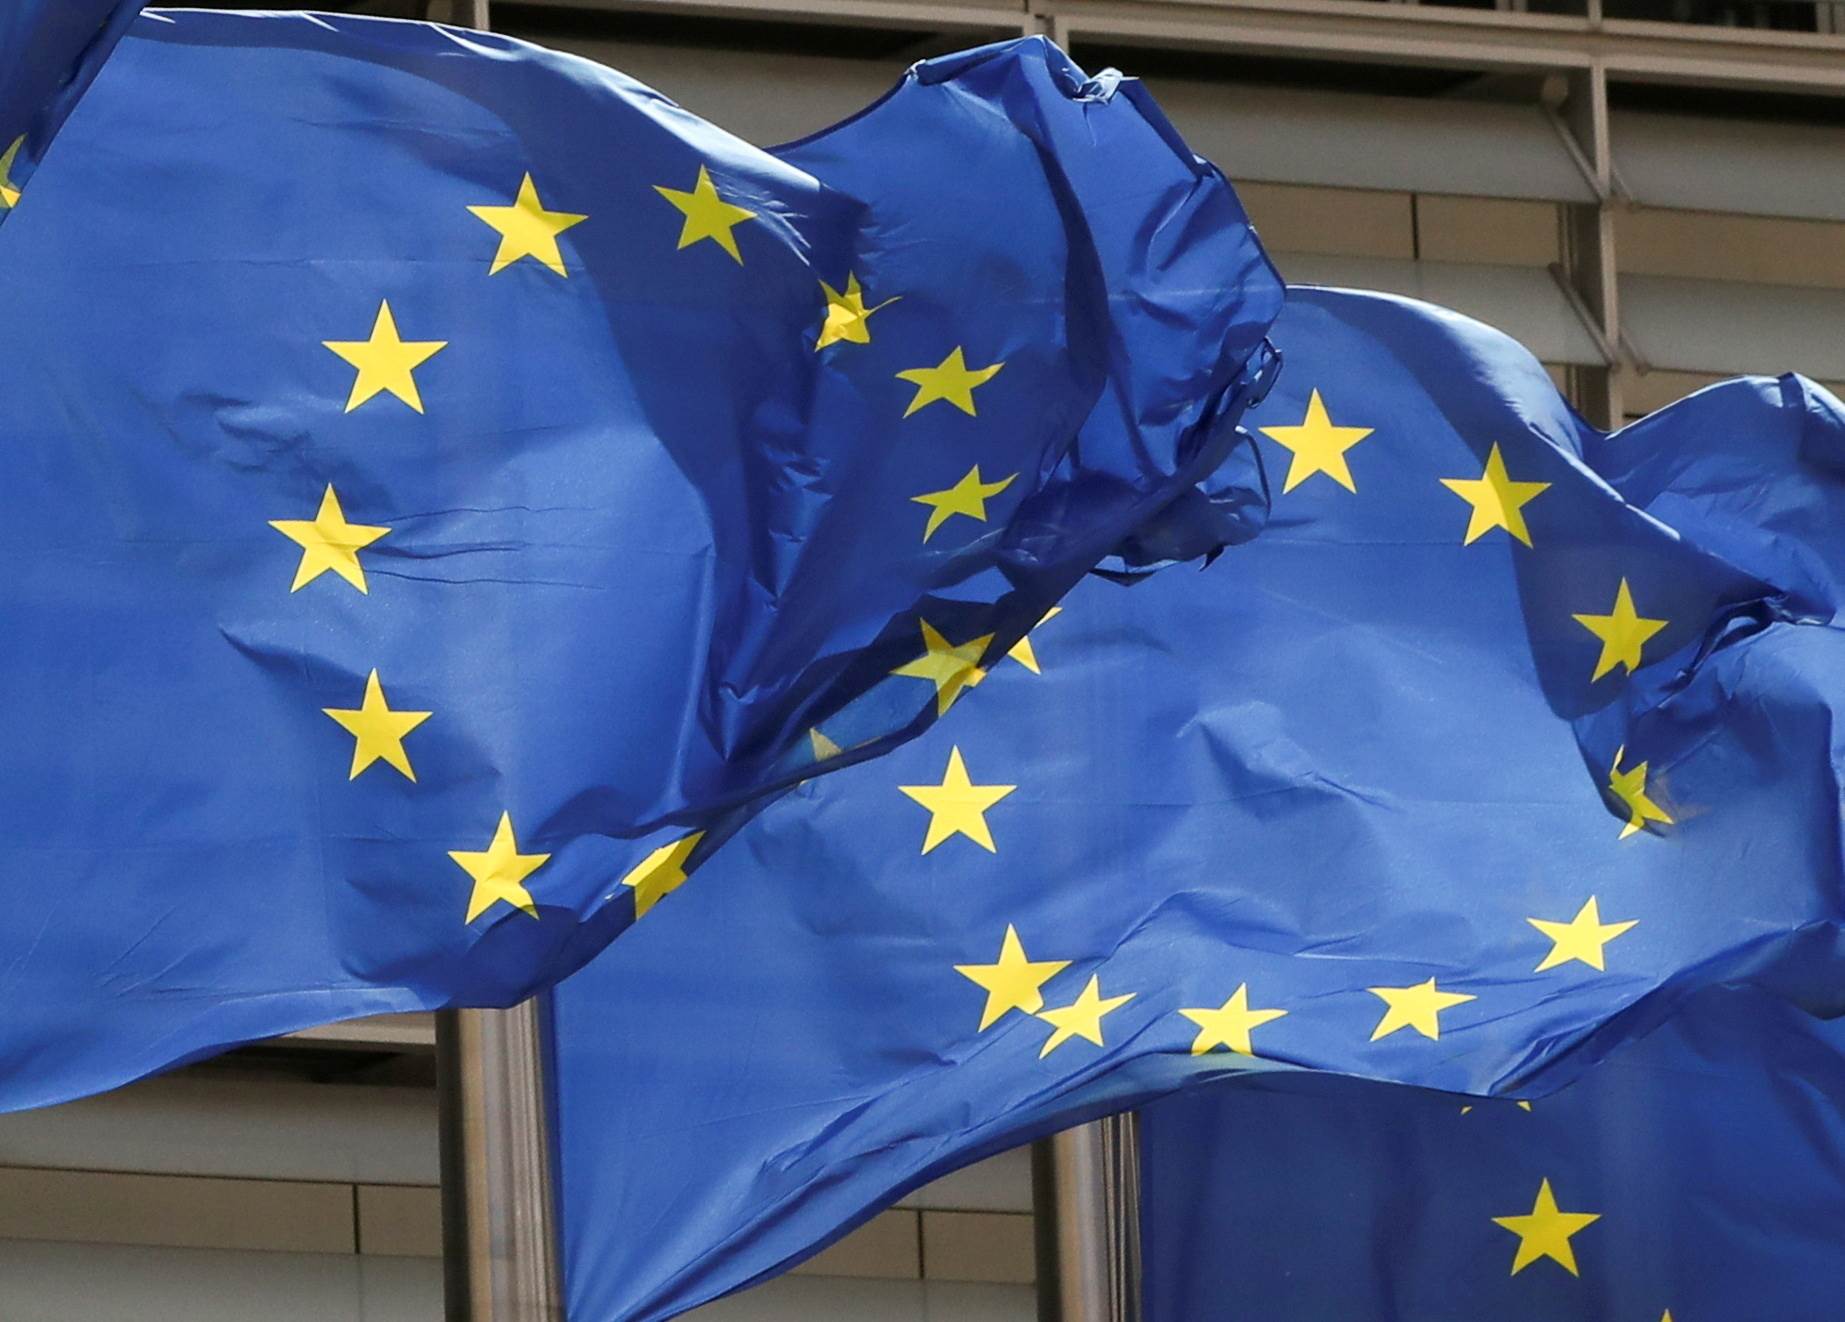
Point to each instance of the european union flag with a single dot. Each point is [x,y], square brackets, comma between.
[441,478]
[50,50]
[1464,770]
[1699,1173]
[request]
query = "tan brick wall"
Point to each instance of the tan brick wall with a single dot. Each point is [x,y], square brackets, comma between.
[1345,222]
[1495,231]
[995,1247]
[176,1211]
[886,1247]
[1705,245]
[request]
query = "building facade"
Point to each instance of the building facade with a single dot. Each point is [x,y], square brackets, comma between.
[1649,193]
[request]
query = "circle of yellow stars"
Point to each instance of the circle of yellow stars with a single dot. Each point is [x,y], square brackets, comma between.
[1015,982]
[385,365]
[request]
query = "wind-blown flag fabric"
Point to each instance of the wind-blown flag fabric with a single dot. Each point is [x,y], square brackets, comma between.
[1465,770]
[1698,1173]
[441,477]
[50,50]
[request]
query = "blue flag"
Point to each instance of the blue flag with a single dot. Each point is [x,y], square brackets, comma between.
[1700,1173]
[50,50]
[1463,771]
[442,478]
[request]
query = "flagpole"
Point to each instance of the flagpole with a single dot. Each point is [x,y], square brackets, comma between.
[499,1232]
[458,13]
[1086,1196]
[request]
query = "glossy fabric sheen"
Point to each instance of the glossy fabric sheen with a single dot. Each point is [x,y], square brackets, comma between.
[642,535]
[1352,753]
[1712,1153]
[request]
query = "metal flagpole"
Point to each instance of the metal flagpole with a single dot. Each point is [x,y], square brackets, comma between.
[1086,1196]
[458,13]
[499,1234]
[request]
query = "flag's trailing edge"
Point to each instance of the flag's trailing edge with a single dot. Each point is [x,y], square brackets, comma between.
[1757,484]
[472,477]
[1502,738]
[1699,1172]
[50,50]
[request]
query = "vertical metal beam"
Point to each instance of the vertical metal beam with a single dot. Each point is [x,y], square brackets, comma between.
[1588,246]
[1124,1165]
[1068,1201]
[499,1241]
[460,13]
[1086,1195]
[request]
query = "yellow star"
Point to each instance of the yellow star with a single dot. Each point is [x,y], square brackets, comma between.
[1012,982]
[378,732]
[1082,1017]
[1022,652]
[823,747]
[1229,1025]
[327,541]
[1623,632]
[9,193]
[1418,1007]
[385,362]
[1496,499]
[952,670]
[499,872]
[707,216]
[1317,446]
[1581,938]
[528,230]
[1545,1232]
[951,379]
[957,806]
[968,496]
[660,874]
[847,317]
[1629,787]
[1523,1106]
